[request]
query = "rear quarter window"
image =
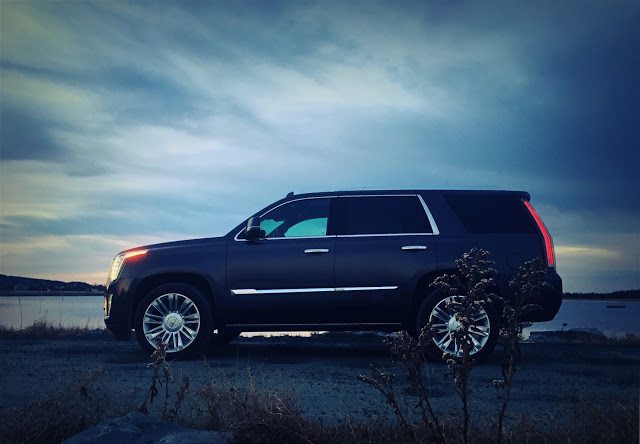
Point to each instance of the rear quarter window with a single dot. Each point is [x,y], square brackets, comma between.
[491,213]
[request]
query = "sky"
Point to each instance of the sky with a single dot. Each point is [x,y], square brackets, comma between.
[128,123]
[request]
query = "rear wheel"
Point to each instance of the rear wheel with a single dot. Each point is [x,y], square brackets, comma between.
[179,315]
[483,330]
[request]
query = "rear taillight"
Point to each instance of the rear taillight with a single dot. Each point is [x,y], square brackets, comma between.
[548,242]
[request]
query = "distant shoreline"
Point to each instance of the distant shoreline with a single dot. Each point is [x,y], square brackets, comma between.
[601,298]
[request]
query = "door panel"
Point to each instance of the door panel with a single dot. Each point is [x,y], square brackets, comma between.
[287,277]
[384,243]
[380,261]
[284,278]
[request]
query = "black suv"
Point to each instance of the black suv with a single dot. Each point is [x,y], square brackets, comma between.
[328,261]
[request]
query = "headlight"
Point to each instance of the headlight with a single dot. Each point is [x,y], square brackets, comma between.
[118,261]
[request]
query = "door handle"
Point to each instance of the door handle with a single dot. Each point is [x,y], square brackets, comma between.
[414,247]
[316,250]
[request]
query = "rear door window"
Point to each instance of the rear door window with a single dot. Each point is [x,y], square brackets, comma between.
[370,215]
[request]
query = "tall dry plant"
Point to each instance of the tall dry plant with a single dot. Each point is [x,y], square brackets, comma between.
[472,288]
[162,376]
[411,353]
[526,286]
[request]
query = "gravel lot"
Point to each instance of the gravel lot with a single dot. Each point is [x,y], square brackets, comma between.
[320,372]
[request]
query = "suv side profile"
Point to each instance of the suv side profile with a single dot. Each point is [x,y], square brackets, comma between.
[329,261]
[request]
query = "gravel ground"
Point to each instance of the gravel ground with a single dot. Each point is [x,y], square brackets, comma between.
[320,372]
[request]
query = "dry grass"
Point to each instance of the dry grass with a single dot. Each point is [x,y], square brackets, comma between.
[58,416]
[255,416]
[599,423]
[42,329]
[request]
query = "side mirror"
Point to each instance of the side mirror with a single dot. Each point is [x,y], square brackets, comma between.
[254,232]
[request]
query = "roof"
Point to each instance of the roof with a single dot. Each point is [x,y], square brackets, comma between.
[384,192]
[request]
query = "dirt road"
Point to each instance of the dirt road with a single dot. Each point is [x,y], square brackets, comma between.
[320,372]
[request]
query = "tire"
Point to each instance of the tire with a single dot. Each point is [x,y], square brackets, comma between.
[180,314]
[224,337]
[484,343]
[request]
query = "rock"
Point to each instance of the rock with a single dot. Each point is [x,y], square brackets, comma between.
[136,428]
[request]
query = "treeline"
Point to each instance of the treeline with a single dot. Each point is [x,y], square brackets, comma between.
[614,295]
[24,284]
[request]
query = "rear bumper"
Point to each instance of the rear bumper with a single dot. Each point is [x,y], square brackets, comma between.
[549,299]
[118,306]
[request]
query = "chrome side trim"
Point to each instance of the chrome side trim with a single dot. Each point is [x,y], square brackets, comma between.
[434,226]
[388,287]
[281,290]
[414,247]
[245,291]
[385,235]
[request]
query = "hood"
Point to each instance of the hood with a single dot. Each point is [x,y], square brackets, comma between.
[178,244]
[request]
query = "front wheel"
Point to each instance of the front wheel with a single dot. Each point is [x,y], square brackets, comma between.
[483,331]
[179,315]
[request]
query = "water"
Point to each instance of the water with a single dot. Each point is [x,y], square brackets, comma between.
[68,311]
[610,317]
[613,318]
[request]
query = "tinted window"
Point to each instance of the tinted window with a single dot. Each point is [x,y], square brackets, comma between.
[300,218]
[491,213]
[382,215]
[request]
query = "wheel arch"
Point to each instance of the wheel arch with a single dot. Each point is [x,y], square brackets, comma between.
[421,289]
[150,282]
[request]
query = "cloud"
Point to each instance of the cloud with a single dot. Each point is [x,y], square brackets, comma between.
[609,262]
[119,120]
[585,251]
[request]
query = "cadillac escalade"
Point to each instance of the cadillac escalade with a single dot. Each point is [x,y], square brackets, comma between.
[328,261]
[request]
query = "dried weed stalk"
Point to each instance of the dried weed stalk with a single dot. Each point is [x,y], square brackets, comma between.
[474,284]
[162,376]
[526,286]
[410,352]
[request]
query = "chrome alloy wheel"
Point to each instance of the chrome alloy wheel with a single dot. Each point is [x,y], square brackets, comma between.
[444,323]
[174,318]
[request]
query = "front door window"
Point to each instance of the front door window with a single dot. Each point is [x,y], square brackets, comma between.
[300,218]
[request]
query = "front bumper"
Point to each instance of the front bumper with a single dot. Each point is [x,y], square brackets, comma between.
[118,306]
